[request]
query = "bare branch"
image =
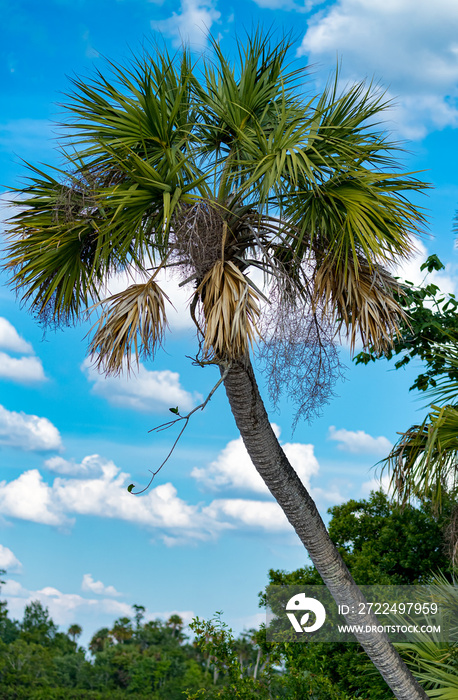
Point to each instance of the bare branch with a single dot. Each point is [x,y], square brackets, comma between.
[169,424]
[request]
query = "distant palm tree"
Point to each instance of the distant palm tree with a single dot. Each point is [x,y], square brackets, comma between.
[175,624]
[74,631]
[219,170]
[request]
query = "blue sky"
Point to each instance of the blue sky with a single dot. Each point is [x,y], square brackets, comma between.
[203,538]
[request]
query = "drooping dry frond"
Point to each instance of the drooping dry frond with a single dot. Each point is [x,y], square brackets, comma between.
[134,321]
[230,310]
[361,300]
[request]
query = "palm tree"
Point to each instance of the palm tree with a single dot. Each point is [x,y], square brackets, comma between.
[424,461]
[74,631]
[218,169]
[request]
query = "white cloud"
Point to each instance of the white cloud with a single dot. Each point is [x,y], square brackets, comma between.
[375,484]
[88,584]
[21,369]
[410,270]
[107,497]
[191,25]
[359,442]
[102,492]
[144,390]
[90,466]
[63,607]
[66,608]
[11,340]
[29,498]
[28,432]
[410,45]
[233,467]
[8,560]
[266,515]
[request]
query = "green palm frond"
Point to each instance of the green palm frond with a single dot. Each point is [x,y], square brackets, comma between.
[432,660]
[425,459]
[306,186]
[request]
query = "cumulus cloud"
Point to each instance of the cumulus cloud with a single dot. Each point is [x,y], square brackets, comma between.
[191,25]
[144,390]
[11,340]
[89,466]
[375,484]
[233,467]
[25,370]
[88,584]
[63,607]
[410,270]
[28,432]
[265,515]
[107,497]
[8,560]
[411,45]
[97,487]
[359,442]
[30,498]
[66,608]
[21,369]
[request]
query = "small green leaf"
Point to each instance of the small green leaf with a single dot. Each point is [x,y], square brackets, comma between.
[174,410]
[130,487]
[432,263]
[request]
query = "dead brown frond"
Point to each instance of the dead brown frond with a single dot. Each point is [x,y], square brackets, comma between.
[230,310]
[134,321]
[361,300]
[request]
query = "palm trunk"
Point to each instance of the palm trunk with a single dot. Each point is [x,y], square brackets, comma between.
[282,481]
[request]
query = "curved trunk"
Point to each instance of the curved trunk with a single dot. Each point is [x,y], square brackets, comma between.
[282,481]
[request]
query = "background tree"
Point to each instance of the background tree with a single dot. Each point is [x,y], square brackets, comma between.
[37,625]
[381,543]
[423,462]
[8,628]
[219,170]
[139,611]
